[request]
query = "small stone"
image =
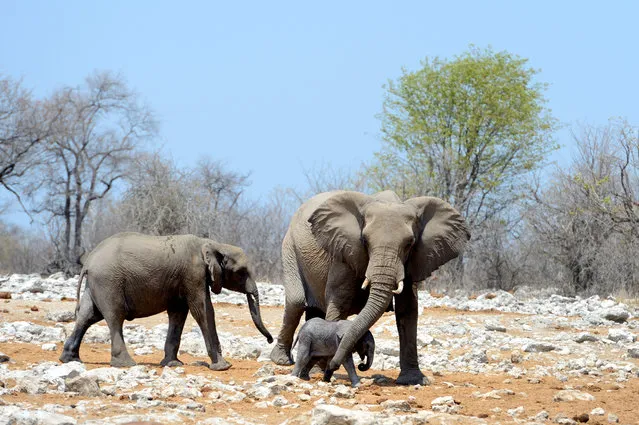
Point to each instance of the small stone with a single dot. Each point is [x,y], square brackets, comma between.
[143,351]
[5,295]
[397,405]
[586,337]
[495,327]
[49,346]
[4,358]
[516,411]
[267,370]
[564,420]
[620,335]
[304,397]
[583,418]
[612,418]
[633,353]
[542,416]
[516,357]
[34,308]
[572,395]
[597,411]
[342,391]
[538,347]
[617,315]
[85,386]
[61,316]
[445,404]
[496,394]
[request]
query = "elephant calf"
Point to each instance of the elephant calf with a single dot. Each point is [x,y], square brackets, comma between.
[319,340]
[131,275]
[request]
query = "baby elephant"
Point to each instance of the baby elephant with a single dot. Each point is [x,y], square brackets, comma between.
[319,340]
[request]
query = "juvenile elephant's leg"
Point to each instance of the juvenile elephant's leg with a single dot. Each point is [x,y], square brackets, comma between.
[328,373]
[177,317]
[87,315]
[406,318]
[119,355]
[294,306]
[306,370]
[341,289]
[350,369]
[203,313]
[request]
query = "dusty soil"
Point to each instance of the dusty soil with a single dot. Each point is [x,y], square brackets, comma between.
[619,398]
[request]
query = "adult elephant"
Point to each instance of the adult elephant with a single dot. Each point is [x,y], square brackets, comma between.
[337,240]
[131,275]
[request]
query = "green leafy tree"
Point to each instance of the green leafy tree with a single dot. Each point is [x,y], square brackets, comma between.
[465,130]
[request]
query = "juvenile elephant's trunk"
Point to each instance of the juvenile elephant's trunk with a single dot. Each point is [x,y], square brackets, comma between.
[253,300]
[370,354]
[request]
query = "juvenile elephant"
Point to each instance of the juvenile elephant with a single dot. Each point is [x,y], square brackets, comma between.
[131,275]
[347,253]
[319,340]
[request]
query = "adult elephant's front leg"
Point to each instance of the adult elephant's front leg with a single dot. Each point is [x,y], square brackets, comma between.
[202,311]
[406,318]
[341,289]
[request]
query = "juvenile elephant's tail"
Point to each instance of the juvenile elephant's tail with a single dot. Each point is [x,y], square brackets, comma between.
[295,342]
[77,297]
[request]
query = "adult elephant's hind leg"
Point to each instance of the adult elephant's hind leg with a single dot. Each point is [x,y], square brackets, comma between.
[120,357]
[406,318]
[294,306]
[87,315]
[177,317]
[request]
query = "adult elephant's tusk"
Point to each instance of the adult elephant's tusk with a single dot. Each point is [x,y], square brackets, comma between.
[400,287]
[365,284]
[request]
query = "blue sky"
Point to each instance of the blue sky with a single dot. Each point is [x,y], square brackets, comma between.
[273,87]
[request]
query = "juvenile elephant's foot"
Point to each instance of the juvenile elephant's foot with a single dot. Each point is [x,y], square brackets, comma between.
[68,356]
[171,362]
[356,384]
[221,364]
[281,356]
[122,362]
[412,377]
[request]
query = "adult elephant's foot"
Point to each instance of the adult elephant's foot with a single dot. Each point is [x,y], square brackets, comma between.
[68,356]
[412,377]
[281,356]
[171,362]
[221,364]
[122,362]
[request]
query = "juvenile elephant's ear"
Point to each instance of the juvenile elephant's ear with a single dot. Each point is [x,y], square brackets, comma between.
[211,258]
[337,226]
[443,236]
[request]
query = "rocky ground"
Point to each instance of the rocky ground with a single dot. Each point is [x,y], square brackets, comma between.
[492,358]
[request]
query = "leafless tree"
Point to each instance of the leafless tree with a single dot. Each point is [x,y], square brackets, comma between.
[23,251]
[586,218]
[101,125]
[24,124]
[157,196]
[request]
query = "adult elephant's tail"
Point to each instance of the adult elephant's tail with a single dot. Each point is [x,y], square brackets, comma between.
[77,297]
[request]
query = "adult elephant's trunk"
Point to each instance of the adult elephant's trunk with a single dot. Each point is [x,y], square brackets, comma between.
[378,300]
[253,299]
[384,273]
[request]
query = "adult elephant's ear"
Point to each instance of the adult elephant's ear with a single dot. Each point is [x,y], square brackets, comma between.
[443,234]
[337,226]
[212,259]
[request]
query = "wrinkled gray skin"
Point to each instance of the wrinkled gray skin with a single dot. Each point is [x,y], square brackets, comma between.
[338,239]
[131,275]
[319,339]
